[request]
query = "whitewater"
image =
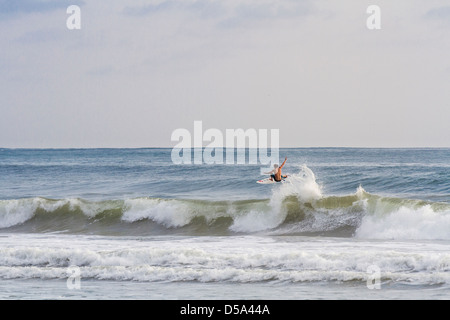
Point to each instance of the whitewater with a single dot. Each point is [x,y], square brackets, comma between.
[209,231]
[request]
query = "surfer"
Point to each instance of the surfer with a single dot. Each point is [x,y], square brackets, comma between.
[275,174]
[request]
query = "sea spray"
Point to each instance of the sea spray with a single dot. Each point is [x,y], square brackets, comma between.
[302,185]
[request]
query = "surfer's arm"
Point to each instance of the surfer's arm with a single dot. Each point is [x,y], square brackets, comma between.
[270,172]
[283,163]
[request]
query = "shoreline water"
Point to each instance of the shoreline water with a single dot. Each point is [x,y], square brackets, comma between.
[31,289]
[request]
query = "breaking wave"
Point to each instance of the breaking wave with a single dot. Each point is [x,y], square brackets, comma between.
[246,260]
[297,207]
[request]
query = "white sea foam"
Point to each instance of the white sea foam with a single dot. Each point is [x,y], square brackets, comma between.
[167,213]
[405,222]
[13,212]
[16,211]
[241,259]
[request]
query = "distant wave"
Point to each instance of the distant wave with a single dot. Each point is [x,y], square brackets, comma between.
[295,208]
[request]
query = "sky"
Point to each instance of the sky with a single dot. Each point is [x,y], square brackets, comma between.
[138,70]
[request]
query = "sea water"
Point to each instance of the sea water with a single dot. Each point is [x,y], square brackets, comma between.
[129,224]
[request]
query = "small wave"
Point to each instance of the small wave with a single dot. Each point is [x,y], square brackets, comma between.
[246,261]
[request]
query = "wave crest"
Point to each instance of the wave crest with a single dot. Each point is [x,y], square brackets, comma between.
[294,208]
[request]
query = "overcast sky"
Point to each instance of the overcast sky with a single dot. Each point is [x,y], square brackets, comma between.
[138,70]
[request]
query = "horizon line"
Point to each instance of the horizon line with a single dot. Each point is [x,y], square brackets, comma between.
[299,147]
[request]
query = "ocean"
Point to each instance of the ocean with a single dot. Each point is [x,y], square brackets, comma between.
[349,223]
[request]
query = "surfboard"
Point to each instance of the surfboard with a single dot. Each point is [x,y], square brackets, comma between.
[268,181]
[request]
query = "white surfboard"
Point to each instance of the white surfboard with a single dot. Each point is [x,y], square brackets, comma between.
[268,181]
